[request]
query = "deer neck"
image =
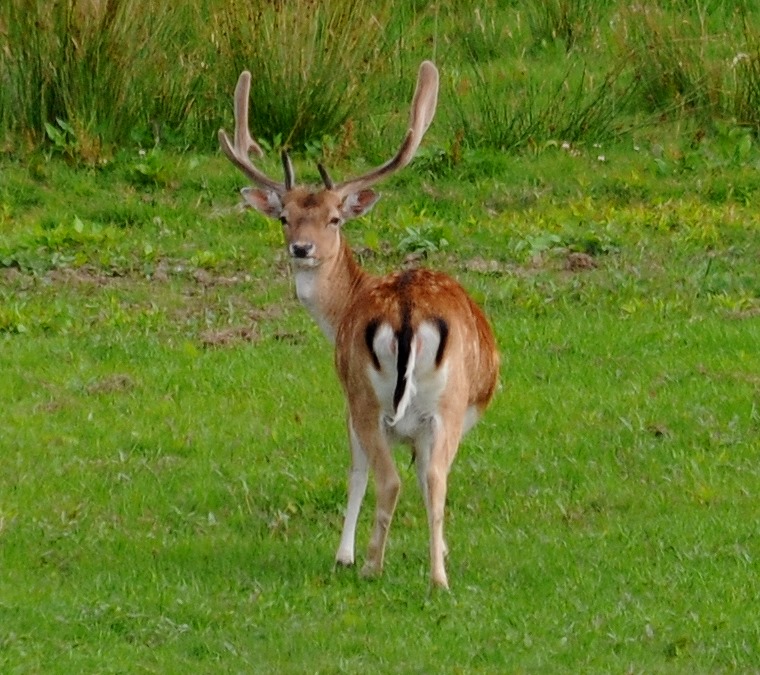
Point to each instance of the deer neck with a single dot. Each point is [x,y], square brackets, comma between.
[326,291]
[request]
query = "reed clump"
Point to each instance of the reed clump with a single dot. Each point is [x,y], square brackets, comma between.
[85,77]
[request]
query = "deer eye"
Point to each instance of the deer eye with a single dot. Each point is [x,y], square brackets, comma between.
[334,221]
[283,220]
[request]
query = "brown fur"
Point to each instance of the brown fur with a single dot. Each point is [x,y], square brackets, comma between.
[429,294]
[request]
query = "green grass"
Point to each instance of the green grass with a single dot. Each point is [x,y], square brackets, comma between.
[172,477]
[85,79]
[172,445]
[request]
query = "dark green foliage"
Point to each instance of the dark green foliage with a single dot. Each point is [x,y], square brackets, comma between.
[87,77]
[747,92]
[580,108]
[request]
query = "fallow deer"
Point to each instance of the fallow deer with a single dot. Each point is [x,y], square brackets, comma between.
[415,355]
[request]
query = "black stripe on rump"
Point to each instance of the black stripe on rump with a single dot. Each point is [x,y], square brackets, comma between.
[443,330]
[369,338]
[404,340]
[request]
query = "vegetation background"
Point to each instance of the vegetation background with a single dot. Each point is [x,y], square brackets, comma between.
[172,451]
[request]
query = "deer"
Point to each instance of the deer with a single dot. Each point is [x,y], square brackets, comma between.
[415,355]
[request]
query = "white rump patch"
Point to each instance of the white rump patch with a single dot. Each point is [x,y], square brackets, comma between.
[424,381]
[426,340]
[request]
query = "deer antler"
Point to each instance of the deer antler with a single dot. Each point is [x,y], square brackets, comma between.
[421,115]
[423,109]
[287,167]
[325,176]
[238,153]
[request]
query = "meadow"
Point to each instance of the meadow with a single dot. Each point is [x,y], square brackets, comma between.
[173,456]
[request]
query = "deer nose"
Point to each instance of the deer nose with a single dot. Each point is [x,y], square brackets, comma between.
[300,250]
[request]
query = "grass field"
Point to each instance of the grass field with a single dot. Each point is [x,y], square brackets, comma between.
[173,456]
[173,472]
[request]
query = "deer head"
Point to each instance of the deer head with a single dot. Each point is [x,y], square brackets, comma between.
[312,217]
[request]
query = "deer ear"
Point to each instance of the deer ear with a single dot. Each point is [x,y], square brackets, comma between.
[263,200]
[358,203]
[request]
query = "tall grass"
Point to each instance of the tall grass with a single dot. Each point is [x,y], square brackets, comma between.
[746,72]
[578,107]
[569,21]
[686,60]
[309,62]
[105,72]
[671,61]
[88,76]
[117,71]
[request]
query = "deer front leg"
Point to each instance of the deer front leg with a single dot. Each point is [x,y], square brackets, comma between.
[357,486]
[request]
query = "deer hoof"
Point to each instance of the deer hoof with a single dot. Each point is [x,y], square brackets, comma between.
[371,570]
[440,581]
[344,559]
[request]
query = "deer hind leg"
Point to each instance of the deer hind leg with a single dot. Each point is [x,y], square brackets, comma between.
[387,487]
[357,486]
[423,446]
[434,479]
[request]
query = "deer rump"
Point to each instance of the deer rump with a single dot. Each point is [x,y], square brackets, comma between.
[407,345]
[406,372]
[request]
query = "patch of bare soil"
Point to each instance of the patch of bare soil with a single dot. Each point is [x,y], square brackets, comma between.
[483,266]
[290,337]
[748,313]
[568,261]
[224,337]
[10,274]
[111,384]
[208,279]
[578,262]
[84,275]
